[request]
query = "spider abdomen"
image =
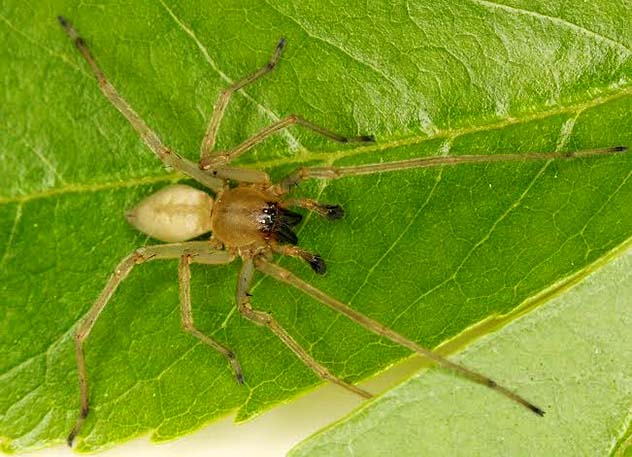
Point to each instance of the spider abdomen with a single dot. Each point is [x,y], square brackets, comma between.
[173,214]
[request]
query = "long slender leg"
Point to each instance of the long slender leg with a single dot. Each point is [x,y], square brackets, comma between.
[265,319]
[150,137]
[208,143]
[199,250]
[305,173]
[285,276]
[248,175]
[184,276]
[217,160]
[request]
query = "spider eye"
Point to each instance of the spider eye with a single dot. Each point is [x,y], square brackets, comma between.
[267,218]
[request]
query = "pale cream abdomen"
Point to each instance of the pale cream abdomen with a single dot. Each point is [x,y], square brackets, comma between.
[173,214]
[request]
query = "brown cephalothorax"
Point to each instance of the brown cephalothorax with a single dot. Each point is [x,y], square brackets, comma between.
[240,215]
[250,218]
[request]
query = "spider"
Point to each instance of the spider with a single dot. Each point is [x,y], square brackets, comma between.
[251,220]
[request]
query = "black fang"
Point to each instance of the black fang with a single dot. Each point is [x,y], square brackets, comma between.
[278,222]
[290,218]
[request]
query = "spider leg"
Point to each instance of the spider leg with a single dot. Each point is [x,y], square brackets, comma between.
[287,277]
[208,143]
[330,212]
[184,276]
[219,159]
[265,319]
[247,175]
[199,250]
[332,172]
[150,137]
[215,163]
[315,261]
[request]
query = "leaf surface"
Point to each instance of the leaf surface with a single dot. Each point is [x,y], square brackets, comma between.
[574,347]
[428,252]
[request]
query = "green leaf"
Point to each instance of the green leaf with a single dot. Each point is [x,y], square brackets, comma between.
[583,344]
[428,252]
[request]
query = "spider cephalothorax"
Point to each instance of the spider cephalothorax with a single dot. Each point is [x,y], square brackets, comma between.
[245,216]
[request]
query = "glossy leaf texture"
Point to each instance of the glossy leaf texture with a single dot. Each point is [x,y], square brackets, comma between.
[430,252]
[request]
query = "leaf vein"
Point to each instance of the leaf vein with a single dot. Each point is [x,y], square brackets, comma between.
[293,142]
[558,21]
[453,276]
[405,230]
[42,47]
[346,153]
[397,85]
[16,221]
[601,208]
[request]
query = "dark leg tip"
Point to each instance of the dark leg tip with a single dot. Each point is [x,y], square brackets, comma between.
[277,54]
[62,21]
[359,139]
[318,264]
[620,149]
[71,438]
[536,410]
[333,212]
[240,378]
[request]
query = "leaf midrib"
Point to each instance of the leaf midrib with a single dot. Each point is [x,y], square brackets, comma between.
[332,156]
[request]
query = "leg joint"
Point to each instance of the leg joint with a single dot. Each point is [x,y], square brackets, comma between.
[293,119]
[228,91]
[140,255]
[188,326]
[258,317]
